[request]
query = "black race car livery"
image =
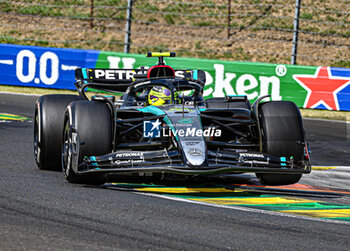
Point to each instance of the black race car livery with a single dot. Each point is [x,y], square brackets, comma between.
[93,138]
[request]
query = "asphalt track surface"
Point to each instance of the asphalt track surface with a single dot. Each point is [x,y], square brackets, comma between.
[39,210]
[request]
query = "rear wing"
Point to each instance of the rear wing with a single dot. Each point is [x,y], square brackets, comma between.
[125,76]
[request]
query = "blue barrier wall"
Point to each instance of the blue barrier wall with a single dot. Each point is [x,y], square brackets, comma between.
[42,67]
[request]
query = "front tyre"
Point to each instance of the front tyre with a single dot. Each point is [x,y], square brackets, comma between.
[282,135]
[87,132]
[48,122]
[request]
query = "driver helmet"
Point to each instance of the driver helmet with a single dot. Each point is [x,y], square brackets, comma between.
[160,95]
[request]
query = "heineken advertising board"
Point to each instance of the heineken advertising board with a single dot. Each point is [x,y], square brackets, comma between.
[320,87]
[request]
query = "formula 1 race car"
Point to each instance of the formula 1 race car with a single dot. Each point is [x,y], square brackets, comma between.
[175,133]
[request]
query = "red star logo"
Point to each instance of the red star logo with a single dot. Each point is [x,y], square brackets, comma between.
[322,88]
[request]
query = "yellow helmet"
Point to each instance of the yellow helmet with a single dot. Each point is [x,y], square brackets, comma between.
[160,95]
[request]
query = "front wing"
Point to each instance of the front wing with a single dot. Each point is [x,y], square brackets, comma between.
[222,162]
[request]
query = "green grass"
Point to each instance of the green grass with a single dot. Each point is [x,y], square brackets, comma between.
[308,16]
[341,63]
[33,90]
[325,114]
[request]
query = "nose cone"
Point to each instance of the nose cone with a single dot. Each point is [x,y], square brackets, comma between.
[186,125]
[194,152]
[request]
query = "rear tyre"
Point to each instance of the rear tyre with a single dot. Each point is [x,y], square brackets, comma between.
[282,135]
[48,123]
[90,122]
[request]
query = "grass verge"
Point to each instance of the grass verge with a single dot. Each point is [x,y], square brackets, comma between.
[33,90]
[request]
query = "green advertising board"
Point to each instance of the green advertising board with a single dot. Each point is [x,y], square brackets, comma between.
[307,86]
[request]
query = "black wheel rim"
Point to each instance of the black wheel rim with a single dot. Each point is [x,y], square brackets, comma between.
[36,141]
[65,149]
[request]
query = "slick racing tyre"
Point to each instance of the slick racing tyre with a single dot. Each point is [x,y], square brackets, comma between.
[48,124]
[217,104]
[89,124]
[282,135]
